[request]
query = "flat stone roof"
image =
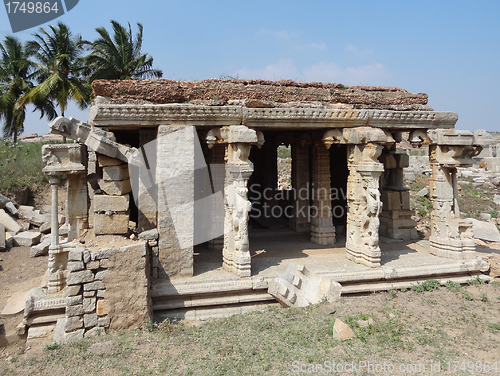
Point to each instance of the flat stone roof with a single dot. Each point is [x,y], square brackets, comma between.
[260,94]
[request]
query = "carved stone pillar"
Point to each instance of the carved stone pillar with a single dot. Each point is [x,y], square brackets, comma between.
[64,160]
[300,185]
[322,230]
[364,204]
[236,251]
[451,236]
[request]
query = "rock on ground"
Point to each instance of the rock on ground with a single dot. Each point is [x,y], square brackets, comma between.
[485,231]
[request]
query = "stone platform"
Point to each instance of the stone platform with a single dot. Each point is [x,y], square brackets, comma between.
[214,292]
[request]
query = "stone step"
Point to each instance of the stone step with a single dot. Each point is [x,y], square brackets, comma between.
[45,317]
[169,303]
[407,284]
[205,313]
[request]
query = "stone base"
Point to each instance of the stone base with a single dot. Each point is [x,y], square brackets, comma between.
[299,226]
[240,265]
[323,236]
[367,257]
[451,248]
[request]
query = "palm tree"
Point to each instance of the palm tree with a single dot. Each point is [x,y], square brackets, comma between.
[59,68]
[120,57]
[16,71]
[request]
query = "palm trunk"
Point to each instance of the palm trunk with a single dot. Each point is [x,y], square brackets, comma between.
[64,137]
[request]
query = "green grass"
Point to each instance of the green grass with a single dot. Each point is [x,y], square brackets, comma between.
[20,166]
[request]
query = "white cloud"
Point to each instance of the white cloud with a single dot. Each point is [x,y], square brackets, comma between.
[373,74]
[357,52]
[283,69]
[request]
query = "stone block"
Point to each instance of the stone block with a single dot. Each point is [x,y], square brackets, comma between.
[99,276]
[116,188]
[11,208]
[485,231]
[34,216]
[73,290]
[401,233]
[135,248]
[75,254]
[92,265]
[100,293]
[89,305]
[103,322]
[389,161]
[79,277]
[116,224]
[94,332]
[90,320]
[10,224]
[101,308]
[149,235]
[299,287]
[74,300]
[105,161]
[405,200]
[402,160]
[2,237]
[74,311]
[86,256]
[27,238]
[104,263]
[105,253]
[45,228]
[75,336]
[104,203]
[97,285]
[88,294]
[74,266]
[113,173]
[391,200]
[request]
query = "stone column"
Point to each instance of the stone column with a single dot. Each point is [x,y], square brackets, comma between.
[362,242]
[451,236]
[56,279]
[77,206]
[236,251]
[322,230]
[301,189]
[395,219]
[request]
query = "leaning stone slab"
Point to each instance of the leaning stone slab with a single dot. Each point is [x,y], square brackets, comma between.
[485,231]
[41,249]
[9,223]
[27,238]
[299,287]
[2,238]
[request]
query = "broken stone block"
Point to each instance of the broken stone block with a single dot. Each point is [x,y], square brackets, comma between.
[105,161]
[11,208]
[485,231]
[342,331]
[104,203]
[9,223]
[116,188]
[27,238]
[41,249]
[299,287]
[149,235]
[77,335]
[112,173]
[5,200]
[34,216]
[423,192]
[110,224]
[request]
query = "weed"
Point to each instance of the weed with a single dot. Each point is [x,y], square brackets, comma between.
[53,346]
[495,283]
[429,285]
[454,286]
[404,289]
[394,293]
[494,213]
[476,281]
[484,298]
[467,296]
[494,327]
[422,212]
[14,359]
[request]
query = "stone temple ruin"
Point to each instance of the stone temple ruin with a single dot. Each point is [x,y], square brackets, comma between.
[194,166]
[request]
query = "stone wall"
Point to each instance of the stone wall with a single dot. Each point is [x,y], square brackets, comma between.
[106,289]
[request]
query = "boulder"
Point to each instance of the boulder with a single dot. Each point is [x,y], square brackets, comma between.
[485,231]
[5,200]
[342,331]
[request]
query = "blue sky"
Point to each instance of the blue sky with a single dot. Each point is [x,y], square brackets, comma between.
[447,49]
